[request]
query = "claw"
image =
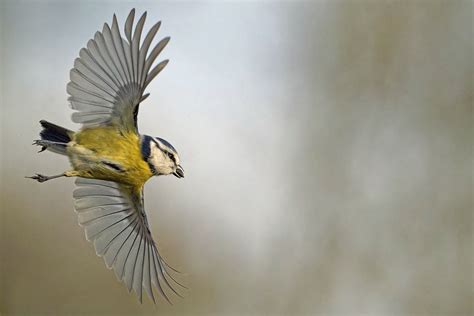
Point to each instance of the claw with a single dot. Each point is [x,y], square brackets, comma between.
[39,177]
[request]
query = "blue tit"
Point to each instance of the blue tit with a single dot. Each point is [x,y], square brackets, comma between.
[110,158]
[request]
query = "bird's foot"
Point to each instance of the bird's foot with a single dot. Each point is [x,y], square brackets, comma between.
[39,177]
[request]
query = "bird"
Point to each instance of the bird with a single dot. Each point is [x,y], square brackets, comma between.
[110,159]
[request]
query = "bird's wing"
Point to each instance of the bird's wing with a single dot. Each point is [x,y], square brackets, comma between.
[110,76]
[115,221]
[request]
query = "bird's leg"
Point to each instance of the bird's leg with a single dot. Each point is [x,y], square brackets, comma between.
[42,178]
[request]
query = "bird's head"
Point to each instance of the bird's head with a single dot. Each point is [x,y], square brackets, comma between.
[161,156]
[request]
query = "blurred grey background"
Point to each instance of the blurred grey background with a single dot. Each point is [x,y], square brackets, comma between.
[327,149]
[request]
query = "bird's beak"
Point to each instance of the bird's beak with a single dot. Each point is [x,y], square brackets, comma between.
[179,173]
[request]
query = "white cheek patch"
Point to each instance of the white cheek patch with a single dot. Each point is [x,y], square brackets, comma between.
[153,148]
[155,155]
[169,147]
[157,159]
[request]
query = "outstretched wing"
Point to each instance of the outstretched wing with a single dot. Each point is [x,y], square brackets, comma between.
[114,219]
[110,76]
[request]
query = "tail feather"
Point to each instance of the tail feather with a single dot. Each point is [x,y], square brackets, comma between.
[55,138]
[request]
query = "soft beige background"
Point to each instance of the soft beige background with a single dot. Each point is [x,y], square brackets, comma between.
[327,145]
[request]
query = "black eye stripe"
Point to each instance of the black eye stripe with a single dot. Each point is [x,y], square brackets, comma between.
[171,156]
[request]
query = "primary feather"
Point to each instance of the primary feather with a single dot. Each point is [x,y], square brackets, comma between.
[114,219]
[109,78]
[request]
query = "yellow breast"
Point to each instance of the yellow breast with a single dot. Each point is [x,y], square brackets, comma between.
[91,146]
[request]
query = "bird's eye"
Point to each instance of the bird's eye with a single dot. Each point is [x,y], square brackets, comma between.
[170,155]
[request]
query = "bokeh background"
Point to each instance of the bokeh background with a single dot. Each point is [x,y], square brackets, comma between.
[327,149]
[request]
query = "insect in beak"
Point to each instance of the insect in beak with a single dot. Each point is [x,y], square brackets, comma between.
[179,173]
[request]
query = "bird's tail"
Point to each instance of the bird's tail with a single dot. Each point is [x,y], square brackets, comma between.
[54,137]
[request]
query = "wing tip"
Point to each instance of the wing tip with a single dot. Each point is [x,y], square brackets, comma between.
[114,21]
